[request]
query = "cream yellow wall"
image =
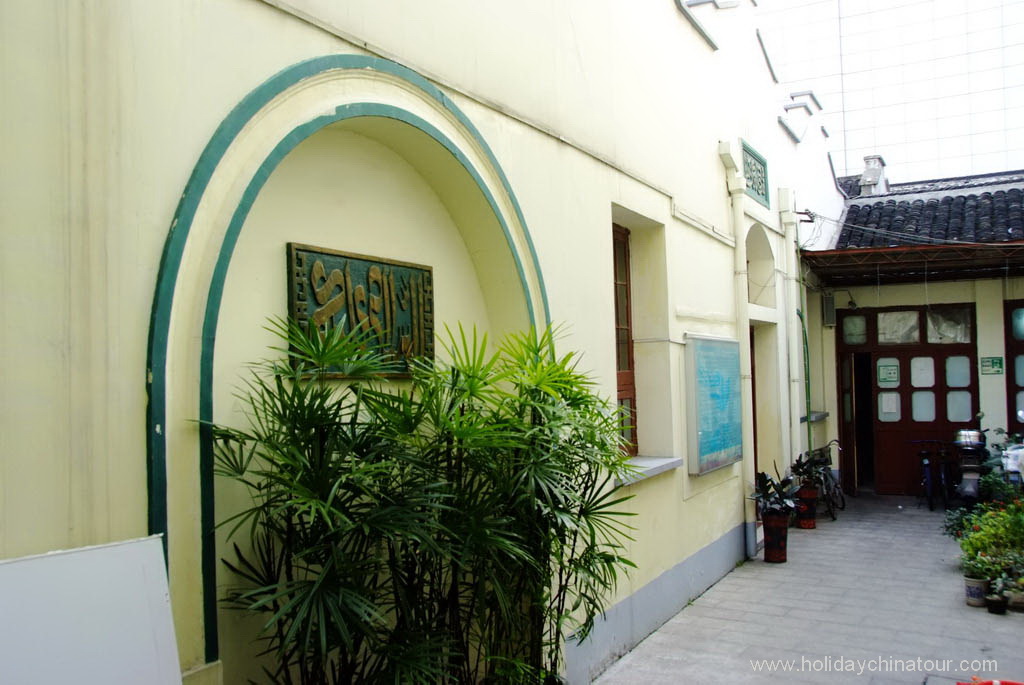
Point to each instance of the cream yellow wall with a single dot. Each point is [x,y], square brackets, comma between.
[596,113]
[76,280]
[821,344]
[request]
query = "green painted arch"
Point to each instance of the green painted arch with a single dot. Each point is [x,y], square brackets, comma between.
[174,246]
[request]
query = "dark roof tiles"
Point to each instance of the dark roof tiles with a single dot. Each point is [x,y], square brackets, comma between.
[977,214]
[850,185]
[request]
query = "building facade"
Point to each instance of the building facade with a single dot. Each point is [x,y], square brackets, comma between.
[922,289]
[631,172]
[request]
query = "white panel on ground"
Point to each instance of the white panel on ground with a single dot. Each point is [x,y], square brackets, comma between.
[93,615]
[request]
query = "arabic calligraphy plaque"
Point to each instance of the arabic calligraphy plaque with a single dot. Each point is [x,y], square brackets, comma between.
[391,301]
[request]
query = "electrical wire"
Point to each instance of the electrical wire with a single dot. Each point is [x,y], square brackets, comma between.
[818,224]
[904,237]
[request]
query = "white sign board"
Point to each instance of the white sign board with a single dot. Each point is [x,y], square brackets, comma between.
[93,615]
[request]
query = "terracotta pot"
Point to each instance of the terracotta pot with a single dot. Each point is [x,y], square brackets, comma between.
[806,507]
[776,532]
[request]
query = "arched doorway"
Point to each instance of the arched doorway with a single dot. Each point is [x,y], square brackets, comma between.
[765,351]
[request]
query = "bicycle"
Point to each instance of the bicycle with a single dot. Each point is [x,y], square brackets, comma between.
[929,488]
[926,478]
[829,491]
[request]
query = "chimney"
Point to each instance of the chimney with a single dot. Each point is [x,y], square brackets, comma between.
[873,180]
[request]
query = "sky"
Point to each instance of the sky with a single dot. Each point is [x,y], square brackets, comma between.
[934,86]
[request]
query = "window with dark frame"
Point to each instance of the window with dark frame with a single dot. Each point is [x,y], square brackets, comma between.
[624,336]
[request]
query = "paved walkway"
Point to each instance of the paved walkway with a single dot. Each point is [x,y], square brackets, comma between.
[877,589]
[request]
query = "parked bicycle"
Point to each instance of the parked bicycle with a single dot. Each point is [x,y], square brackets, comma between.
[829,490]
[816,466]
[937,480]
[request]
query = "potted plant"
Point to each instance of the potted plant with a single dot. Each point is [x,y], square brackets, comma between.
[803,470]
[1013,567]
[774,501]
[453,529]
[1015,595]
[978,570]
[991,538]
[996,600]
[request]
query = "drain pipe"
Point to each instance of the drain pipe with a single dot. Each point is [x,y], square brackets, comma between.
[795,330]
[807,376]
[737,186]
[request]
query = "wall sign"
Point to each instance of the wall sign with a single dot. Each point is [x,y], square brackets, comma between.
[714,407]
[390,300]
[888,373]
[992,365]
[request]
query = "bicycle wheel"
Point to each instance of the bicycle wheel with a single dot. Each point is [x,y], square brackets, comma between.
[835,493]
[840,498]
[830,500]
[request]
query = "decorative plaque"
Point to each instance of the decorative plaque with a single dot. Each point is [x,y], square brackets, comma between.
[390,300]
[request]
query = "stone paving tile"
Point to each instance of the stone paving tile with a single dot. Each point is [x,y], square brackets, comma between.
[880,586]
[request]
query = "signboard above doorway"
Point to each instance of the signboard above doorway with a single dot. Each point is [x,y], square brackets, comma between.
[389,300]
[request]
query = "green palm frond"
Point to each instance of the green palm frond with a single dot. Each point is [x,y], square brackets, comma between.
[452,528]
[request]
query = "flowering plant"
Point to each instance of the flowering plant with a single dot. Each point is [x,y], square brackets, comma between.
[980,566]
[994,529]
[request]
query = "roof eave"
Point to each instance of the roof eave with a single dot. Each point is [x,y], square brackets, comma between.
[915,263]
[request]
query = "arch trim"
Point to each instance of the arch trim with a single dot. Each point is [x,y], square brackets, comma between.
[171,262]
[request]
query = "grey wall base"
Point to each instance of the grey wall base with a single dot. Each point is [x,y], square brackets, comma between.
[624,625]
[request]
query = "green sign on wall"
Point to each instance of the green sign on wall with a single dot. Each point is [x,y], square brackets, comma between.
[888,373]
[992,365]
[390,300]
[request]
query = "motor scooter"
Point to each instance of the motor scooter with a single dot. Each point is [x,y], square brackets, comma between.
[973,455]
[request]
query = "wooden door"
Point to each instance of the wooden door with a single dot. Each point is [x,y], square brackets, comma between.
[1014,327]
[924,383]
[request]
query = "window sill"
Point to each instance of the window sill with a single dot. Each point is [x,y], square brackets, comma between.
[648,467]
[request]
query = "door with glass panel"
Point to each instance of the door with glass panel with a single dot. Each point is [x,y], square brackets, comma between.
[917,379]
[1014,327]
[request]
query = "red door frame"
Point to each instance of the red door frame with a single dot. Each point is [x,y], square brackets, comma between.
[896,465]
[1014,347]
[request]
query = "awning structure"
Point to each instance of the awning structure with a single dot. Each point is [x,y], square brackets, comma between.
[914,264]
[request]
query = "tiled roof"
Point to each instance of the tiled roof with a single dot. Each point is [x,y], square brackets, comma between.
[970,209]
[850,185]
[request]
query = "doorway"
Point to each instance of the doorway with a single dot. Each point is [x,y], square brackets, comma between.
[862,451]
[906,374]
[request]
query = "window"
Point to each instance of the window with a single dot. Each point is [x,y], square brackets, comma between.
[950,326]
[898,328]
[624,335]
[855,330]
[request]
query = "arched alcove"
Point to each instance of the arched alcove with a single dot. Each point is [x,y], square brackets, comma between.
[760,268]
[343,152]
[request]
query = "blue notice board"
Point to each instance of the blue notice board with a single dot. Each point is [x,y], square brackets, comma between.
[714,406]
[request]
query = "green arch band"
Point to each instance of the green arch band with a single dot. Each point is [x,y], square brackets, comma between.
[171,260]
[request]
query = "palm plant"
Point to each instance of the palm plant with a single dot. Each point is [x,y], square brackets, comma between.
[449,529]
